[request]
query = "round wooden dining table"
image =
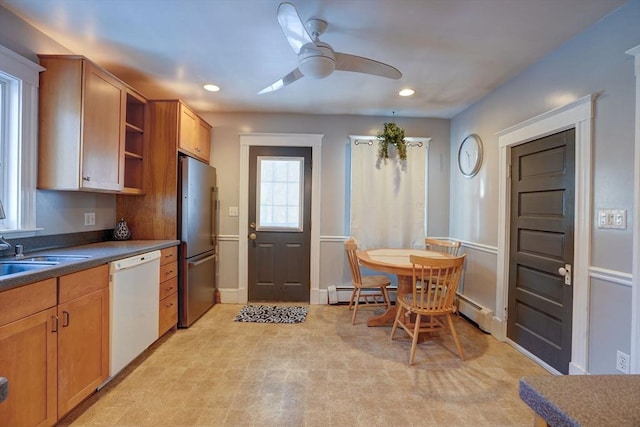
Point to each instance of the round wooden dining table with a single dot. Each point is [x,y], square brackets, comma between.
[394,261]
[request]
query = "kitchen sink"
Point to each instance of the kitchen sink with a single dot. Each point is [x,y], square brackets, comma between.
[56,258]
[13,267]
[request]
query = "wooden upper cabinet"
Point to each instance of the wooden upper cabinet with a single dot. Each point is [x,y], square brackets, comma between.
[203,140]
[194,136]
[82,126]
[187,129]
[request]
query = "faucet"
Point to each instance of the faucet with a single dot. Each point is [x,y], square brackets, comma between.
[4,245]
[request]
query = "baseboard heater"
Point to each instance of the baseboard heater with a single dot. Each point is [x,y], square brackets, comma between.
[482,316]
[342,294]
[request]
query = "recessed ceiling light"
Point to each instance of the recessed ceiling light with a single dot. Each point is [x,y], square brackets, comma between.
[406,92]
[211,88]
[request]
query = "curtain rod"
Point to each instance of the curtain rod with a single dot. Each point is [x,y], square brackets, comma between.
[370,142]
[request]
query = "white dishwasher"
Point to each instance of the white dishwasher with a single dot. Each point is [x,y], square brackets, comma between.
[134,292]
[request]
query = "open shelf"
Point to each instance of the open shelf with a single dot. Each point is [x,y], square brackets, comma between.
[136,111]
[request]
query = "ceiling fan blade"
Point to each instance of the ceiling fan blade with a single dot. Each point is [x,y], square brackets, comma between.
[286,80]
[292,26]
[358,64]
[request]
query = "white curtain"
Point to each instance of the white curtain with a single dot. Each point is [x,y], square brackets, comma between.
[388,200]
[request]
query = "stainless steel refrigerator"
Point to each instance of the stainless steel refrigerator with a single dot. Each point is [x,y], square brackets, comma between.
[197,231]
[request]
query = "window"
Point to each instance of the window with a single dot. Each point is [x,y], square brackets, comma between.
[280,193]
[18,133]
[388,203]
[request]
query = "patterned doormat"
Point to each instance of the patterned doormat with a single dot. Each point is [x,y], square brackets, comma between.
[272,314]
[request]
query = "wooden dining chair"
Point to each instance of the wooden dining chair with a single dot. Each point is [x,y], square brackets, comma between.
[371,290]
[450,247]
[430,304]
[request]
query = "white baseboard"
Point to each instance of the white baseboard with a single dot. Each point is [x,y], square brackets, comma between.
[229,296]
[576,370]
[499,329]
[533,357]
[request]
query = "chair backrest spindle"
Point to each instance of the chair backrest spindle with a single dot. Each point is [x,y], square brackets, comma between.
[435,282]
[450,247]
[350,248]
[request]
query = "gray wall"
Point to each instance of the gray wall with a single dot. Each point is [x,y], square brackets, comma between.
[57,212]
[225,156]
[593,62]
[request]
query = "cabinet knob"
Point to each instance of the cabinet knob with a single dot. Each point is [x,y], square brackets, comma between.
[86,178]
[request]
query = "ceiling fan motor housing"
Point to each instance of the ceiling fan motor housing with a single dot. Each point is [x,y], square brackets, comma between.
[316,60]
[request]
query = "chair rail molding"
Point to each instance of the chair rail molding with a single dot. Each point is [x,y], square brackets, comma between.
[578,115]
[280,140]
[635,290]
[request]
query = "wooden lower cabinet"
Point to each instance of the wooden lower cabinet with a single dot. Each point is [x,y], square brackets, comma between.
[168,318]
[28,355]
[168,313]
[83,348]
[56,355]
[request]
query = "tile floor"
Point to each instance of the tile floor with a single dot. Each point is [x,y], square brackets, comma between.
[323,372]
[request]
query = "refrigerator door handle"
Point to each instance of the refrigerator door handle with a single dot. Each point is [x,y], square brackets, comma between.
[214,210]
[202,261]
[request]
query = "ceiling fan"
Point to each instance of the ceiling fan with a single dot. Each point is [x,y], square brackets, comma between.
[317,59]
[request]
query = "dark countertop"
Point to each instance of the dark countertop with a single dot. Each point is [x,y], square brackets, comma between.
[100,253]
[584,400]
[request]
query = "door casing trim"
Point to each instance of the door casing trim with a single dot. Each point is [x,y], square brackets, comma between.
[280,140]
[578,115]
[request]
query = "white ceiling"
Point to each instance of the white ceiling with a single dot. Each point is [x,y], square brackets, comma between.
[452,52]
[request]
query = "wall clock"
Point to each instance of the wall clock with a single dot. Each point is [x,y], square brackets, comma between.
[470,155]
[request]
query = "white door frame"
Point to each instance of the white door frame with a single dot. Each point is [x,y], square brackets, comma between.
[280,140]
[578,115]
[635,272]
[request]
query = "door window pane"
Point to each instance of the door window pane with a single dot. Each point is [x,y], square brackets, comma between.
[279,193]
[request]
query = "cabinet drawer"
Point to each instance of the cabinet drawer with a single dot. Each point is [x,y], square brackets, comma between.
[83,282]
[168,271]
[168,255]
[168,287]
[20,302]
[168,313]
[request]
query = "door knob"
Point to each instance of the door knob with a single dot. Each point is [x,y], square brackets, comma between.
[566,272]
[253,236]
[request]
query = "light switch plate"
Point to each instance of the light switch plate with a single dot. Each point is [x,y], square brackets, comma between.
[612,219]
[233,211]
[89,218]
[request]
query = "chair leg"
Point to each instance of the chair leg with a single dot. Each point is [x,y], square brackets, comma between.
[355,307]
[455,336]
[353,294]
[385,296]
[397,319]
[414,342]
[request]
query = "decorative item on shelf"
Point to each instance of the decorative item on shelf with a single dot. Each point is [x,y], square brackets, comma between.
[392,135]
[121,232]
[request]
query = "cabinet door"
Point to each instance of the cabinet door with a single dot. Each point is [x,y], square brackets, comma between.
[28,359]
[104,131]
[203,149]
[83,348]
[187,130]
